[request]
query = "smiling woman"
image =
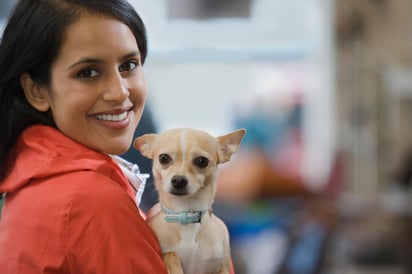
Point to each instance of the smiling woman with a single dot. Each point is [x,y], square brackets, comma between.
[95,80]
[71,96]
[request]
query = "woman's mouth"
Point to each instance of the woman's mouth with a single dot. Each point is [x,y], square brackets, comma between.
[115,120]
[111,117]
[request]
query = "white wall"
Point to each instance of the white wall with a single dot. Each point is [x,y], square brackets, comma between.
[198,69]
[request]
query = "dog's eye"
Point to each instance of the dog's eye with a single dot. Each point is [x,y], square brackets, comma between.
[201,162]
[165,159]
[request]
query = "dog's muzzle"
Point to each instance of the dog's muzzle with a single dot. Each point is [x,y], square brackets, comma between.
[179,184]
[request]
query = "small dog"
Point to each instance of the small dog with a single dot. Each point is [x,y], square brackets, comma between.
[193,240]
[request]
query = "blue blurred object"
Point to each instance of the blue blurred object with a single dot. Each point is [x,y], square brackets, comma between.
[267,129]
[305,254]
[258,233]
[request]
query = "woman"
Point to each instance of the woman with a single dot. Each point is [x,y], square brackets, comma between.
[72,92]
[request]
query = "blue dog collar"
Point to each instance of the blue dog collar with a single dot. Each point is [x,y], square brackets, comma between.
[183,217]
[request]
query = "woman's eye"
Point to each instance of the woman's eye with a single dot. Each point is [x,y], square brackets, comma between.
[128,66]
[88,73]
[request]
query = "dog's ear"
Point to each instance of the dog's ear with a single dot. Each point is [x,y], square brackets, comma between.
[144,144]
[229,144]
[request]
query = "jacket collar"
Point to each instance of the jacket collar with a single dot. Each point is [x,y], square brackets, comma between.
[43,151]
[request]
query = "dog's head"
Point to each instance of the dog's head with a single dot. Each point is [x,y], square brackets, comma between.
[186,160]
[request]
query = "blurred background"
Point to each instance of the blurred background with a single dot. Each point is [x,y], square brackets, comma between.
[322,181]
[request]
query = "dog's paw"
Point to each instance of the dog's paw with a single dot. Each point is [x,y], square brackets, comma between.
[173,263]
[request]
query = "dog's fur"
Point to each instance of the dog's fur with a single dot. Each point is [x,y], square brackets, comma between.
[185,169]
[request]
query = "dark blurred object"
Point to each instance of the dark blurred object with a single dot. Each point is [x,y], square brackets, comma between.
[376,239]
[350,24]
[404,175]
[206,9]
[146,125]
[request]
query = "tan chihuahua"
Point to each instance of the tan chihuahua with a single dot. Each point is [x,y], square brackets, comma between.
[193,240]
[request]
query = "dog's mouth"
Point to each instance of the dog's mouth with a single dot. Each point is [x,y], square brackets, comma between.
[179,192]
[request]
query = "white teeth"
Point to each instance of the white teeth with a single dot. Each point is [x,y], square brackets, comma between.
[110,117]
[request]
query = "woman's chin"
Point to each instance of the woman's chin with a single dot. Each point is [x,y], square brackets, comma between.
[116,149]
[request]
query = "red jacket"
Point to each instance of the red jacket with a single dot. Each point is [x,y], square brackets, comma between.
[70,209]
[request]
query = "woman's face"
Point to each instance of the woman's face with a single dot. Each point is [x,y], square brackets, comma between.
[98,89]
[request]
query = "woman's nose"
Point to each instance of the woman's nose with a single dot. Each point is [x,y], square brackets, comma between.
[116,88]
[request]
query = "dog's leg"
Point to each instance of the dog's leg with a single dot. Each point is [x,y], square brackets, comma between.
[173,263]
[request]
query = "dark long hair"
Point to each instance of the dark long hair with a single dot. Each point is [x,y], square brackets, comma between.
[30,43]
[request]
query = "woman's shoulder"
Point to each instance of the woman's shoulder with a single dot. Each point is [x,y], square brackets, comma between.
[104,220]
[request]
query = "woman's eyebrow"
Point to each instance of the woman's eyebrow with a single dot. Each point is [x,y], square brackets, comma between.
[96,60]
[131,54]
[85,61]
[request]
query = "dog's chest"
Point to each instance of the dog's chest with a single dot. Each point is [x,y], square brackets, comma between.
[189,234]
[198,251]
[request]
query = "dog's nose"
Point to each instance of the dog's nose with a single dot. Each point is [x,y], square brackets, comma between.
[179,181]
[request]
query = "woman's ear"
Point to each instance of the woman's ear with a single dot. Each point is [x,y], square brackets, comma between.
[35,94]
